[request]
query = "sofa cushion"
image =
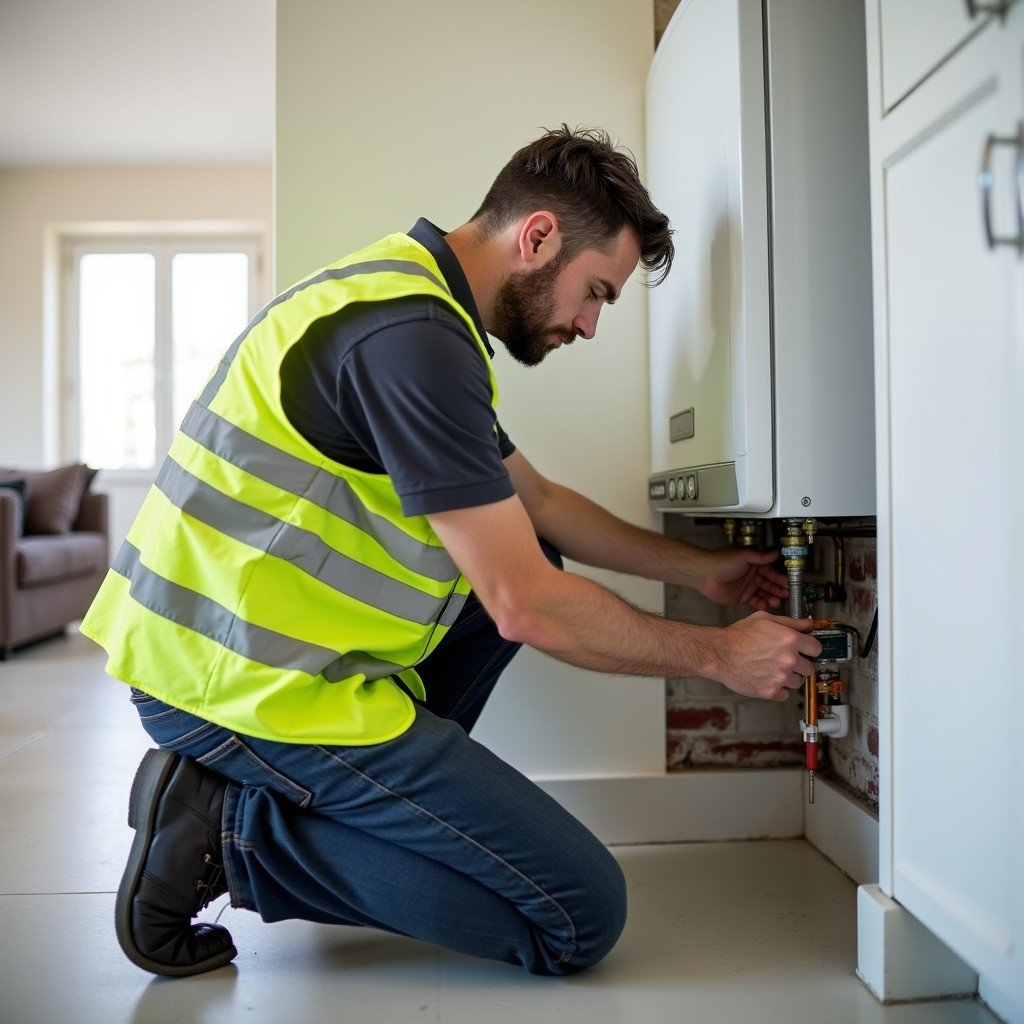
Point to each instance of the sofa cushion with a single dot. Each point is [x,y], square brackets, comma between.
[16,485]
[48,559]
[53,499]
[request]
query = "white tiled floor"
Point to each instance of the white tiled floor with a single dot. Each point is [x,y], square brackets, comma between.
[718,932]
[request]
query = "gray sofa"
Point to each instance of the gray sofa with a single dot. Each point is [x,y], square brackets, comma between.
[48,579]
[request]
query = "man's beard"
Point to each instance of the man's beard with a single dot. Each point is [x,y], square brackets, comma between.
[520,314]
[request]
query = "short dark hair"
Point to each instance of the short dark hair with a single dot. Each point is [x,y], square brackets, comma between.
[591,185]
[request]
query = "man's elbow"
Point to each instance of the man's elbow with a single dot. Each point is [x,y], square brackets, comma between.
[518,625]
[525,606]
[521,619]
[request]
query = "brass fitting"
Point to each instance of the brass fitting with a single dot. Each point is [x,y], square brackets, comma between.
[749,533]
[729,526]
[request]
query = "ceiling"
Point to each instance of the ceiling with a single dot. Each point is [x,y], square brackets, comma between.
[121,82]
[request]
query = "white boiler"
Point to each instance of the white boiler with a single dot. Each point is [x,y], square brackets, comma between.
[761,337]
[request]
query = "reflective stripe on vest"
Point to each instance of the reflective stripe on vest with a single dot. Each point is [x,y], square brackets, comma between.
[298,547]
[192,610]
[298,477]
[264,586]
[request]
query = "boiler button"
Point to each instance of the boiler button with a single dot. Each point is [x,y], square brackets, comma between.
[681,489]
[672,489]
[691,486]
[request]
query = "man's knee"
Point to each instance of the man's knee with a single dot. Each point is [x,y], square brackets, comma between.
[609,918]
[600,917]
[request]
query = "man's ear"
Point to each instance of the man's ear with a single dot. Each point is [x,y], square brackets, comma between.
[539,239]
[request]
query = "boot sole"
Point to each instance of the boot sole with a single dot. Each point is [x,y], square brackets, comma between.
[147,787]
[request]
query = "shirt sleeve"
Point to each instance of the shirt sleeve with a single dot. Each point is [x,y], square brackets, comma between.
[415,394]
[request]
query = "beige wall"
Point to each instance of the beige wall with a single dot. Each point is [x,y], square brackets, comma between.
[34,201]
[394,110]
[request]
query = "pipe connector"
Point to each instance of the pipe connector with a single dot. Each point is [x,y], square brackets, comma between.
[750,531]
[729,526]
[794,556]
[835,724]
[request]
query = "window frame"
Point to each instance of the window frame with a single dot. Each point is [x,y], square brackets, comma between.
[163,242]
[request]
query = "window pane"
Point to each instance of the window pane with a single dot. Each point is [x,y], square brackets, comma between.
[209,309]
[116,311]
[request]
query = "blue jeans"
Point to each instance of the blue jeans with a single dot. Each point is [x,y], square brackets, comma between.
[428,835]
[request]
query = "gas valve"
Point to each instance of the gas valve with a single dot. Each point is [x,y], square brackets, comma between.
[827,713]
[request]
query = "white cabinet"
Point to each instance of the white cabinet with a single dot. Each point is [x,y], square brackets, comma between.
[949,325]
[916,38]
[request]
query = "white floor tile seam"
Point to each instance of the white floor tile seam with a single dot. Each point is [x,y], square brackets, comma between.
[34,737]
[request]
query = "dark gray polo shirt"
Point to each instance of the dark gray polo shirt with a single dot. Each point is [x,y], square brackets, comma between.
[401,387]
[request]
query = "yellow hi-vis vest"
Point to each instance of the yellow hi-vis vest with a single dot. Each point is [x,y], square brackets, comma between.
[264,586]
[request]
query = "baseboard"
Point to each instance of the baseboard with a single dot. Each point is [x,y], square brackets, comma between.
[899,959]
[843,830]
[690,806]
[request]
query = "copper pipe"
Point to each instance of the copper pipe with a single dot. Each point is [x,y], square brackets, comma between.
[811,734]
[811,698]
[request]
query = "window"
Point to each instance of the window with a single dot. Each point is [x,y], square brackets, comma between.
[148,319]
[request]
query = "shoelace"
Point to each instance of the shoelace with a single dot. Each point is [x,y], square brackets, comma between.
[208,889]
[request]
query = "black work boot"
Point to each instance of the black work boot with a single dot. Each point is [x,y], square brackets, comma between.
[174,868]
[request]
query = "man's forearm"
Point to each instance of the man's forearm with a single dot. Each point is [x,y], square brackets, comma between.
[587,533]
[582,623]
[578,621]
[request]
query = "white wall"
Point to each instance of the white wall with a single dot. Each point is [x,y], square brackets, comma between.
[32,201]
[395,110]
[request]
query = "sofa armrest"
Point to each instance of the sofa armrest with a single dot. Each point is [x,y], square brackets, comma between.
[10,525]
[10,516]
[93,513]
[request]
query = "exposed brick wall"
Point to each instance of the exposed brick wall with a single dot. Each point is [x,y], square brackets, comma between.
[854,759]
[710,726]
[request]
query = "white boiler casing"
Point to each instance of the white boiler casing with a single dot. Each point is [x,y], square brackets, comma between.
[761,336]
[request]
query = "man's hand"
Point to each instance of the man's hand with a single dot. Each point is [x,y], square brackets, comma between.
[766,655]
[744,576]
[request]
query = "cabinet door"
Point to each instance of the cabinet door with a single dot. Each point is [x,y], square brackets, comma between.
[955,341]
[916,38]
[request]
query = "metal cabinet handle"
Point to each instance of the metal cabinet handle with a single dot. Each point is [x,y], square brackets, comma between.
[975,7]
[985,182]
